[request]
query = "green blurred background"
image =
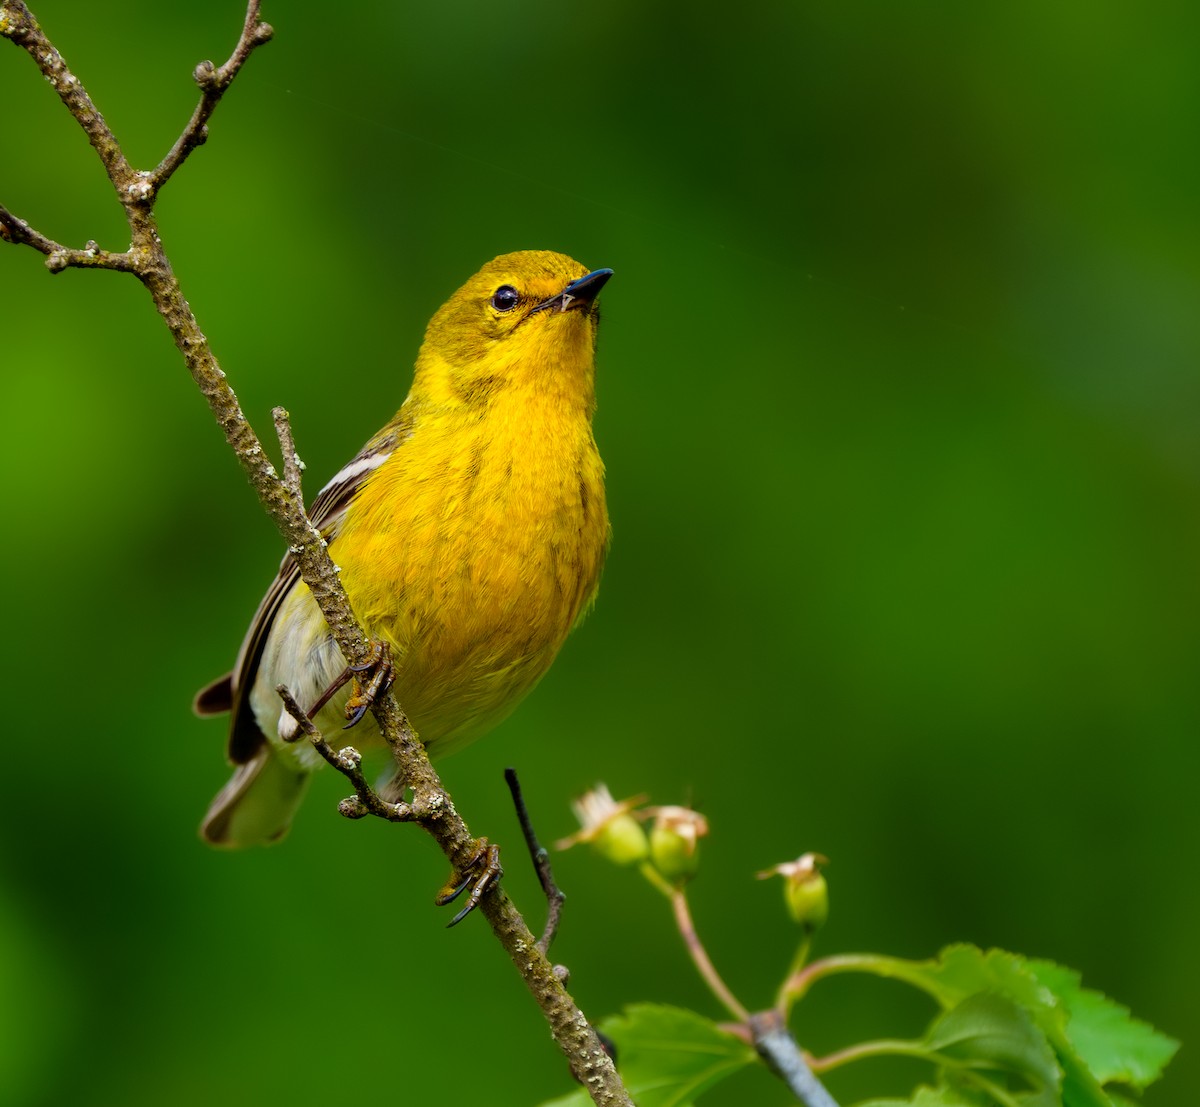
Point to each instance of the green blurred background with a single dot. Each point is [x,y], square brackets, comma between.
[899,390]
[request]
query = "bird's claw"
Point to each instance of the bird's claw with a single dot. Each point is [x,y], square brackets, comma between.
[482,872]
[381,670]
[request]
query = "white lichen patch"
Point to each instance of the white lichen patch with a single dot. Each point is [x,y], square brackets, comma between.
[140,189]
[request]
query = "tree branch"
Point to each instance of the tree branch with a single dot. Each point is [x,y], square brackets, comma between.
[18,24]
[779,1050]
[146,258]
[213,82]
[348,762]
[58,256]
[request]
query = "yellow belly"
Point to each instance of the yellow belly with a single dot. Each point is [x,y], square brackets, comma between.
[472,551]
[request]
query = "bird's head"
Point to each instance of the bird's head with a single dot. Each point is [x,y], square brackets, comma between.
[527,318]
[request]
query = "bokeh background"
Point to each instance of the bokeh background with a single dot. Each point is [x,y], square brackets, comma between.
[899,383]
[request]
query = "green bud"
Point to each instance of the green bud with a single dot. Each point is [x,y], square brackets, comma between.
[675,842]
[805,893]
[609,827]
[622,840]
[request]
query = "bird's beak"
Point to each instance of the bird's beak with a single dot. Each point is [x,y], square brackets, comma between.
[578,295]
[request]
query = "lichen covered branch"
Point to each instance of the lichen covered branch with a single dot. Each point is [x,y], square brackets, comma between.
[213,81]
[18,24]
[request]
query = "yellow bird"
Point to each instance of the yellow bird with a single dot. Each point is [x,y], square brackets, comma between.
[470,533]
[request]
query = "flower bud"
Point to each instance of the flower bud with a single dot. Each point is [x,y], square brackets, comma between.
[805,892]
[608,826]
[622,840]
[675,842]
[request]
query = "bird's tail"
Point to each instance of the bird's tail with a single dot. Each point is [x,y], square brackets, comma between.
[256,807]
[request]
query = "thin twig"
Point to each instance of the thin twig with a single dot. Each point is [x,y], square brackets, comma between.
[293,467]
[20,233]
[541,863]
[18,24]
[213,82]
[783,1056]
[59,257]
[348,762]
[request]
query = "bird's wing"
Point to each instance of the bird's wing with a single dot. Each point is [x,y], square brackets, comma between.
[327,512]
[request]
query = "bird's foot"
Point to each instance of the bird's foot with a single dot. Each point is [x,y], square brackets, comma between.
[482,871]
[371,679]
[379,671]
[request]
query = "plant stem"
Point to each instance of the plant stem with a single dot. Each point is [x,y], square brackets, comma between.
[699,955]
[786,998]
[894,968]
[882,1047]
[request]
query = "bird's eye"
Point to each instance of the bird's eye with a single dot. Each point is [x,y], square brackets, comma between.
[505,298]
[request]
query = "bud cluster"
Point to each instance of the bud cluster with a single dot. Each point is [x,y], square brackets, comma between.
[671,848]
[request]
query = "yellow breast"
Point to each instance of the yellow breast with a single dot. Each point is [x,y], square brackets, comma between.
[473,550]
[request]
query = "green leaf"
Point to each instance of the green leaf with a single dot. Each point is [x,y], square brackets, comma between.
[988,1030]
[962,970]
[668,1056]
[1094,1039]
[962,967]
[1112,1043]
[959,971]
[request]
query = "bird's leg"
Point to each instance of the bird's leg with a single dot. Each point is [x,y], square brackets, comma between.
[482,872]
[337,683]
[382,672]
[379,665]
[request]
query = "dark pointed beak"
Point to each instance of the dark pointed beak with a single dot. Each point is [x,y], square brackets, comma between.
[578,295]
